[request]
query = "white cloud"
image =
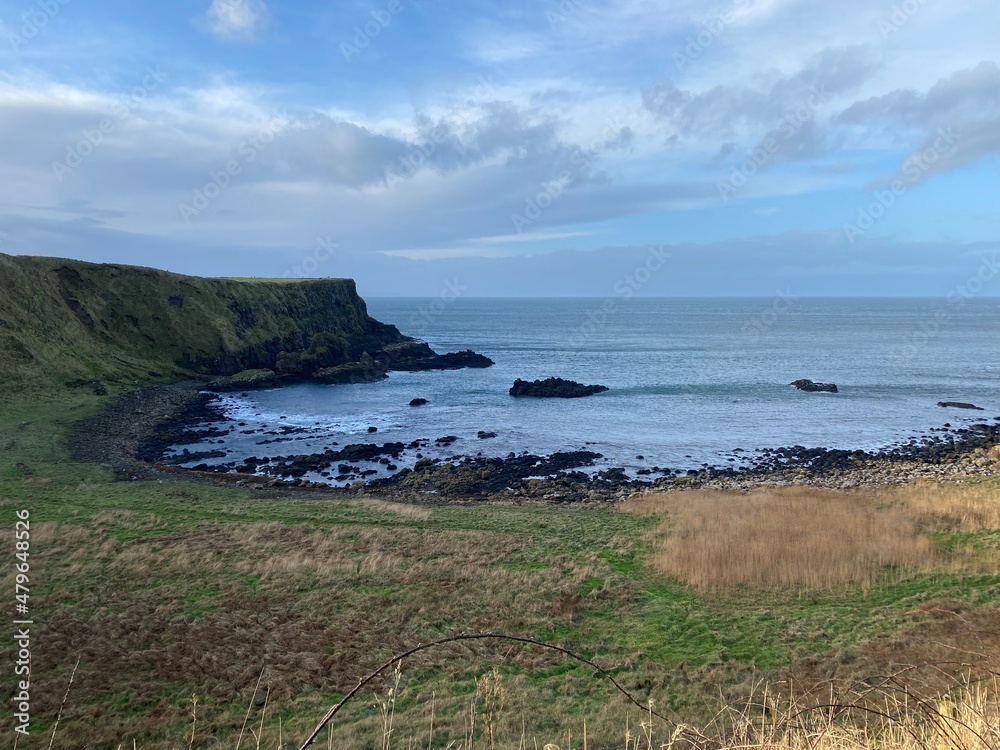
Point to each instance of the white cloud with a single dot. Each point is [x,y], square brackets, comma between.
[236,20]
[497,48]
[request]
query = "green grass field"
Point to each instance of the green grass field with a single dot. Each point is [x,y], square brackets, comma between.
[178,597]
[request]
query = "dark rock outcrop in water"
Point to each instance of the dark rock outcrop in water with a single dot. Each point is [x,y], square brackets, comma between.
[366,370]
[417,356]
[959,405]
[450,361]
[810,387]
[554,388]
[418,402]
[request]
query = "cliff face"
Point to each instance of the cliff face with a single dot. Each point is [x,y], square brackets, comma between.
[64,320]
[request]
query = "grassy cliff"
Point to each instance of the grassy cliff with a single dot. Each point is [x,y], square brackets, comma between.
[65,320]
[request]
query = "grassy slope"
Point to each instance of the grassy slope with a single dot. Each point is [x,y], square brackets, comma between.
[63,320]
[172,590]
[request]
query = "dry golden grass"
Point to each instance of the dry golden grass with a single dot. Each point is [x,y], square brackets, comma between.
[781,537]
[415,512]
[500,714]
[965,719]
[801,536]
[940,507]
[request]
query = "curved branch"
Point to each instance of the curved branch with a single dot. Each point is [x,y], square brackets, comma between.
[473,637]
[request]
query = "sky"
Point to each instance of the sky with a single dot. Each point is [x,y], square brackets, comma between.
[543,148]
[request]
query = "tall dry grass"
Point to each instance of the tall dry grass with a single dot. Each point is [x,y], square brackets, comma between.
[405,510]
[890,717]
[938,507]
[782,537]
[968,718]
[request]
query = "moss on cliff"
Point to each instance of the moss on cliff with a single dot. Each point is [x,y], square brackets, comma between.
[64,320]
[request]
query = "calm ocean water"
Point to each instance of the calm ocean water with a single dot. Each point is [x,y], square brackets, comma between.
[691,379]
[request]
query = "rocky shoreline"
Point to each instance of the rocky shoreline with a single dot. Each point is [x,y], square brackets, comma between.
[133,435]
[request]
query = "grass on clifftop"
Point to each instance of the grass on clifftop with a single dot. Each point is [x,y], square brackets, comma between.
[65,320]
[177,596]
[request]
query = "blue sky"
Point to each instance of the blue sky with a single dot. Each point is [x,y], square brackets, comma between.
[516,148]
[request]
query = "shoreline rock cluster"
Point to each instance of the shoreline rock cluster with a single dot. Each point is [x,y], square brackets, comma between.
[946,454]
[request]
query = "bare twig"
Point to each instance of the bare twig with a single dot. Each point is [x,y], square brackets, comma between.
[63,704]
[249,709]
[472,637]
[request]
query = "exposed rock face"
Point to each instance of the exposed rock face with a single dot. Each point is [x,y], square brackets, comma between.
[418,402]
[451,361]
[366,370]
[810,387]
[372,369]
[482,476]
[959,405]
[245,380]
[403,351]
[554,388]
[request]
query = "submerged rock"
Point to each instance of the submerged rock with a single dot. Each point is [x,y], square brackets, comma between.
[959,405]
[810,387]
[554,388]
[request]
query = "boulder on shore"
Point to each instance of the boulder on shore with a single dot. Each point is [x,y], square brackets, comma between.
[554,388]
[810,387]
[959,405]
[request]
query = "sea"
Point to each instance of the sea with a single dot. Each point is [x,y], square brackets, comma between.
[692,382]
